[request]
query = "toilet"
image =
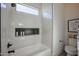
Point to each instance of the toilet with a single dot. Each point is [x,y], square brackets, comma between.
[71,48]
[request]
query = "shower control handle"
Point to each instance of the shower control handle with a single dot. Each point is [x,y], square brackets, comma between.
[9,45]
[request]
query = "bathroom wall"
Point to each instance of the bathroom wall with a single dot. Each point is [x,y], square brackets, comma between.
[27,21]
[10,19]
[58,28]
[4,27]
[47,24]
[71,12]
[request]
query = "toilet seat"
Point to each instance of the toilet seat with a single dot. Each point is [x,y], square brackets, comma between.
[71,50]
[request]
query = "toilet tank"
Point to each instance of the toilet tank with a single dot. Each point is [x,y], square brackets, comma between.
[72,42]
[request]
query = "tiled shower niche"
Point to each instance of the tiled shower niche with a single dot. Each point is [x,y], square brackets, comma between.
[26,31]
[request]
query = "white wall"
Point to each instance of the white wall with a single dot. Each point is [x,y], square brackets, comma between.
[10,20]
[47,24]
[5,28]
[71,12]
[58,28]
[28,21]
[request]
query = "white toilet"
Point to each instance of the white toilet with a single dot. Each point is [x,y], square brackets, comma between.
[71,48]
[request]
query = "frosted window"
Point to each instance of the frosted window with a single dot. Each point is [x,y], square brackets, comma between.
[27,9]
[3,5]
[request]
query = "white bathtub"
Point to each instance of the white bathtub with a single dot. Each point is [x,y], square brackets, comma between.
[34,50]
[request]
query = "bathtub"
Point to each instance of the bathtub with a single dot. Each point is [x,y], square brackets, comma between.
[34,50]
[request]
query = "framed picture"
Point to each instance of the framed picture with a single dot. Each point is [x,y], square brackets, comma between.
[73,25]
